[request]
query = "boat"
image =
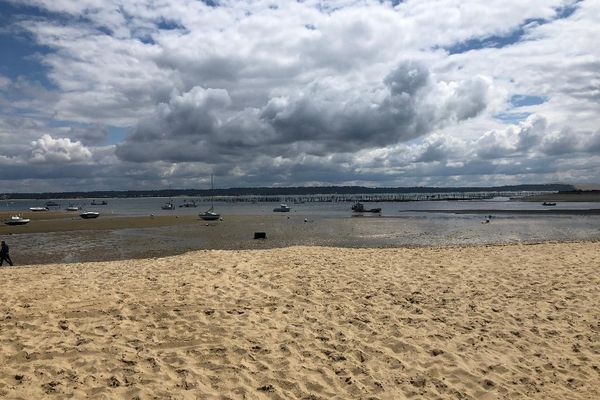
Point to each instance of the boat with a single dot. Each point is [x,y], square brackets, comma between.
[52,203]
[547,203]
[168,206]
[188,204]
[360,208]
[95,203]
[72,208]
[210,214]
[17,220]
[38,209]
[282,208]
[89,215]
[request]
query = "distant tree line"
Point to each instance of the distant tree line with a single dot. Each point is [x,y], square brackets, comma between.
[285,191]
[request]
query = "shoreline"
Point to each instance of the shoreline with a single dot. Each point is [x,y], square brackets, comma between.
[549,211]
[110,238]
[308,323]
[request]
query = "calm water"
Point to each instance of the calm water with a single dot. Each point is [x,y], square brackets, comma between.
[152,205]
[329,224]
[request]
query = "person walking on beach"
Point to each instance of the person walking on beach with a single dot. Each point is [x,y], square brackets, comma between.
[4,254]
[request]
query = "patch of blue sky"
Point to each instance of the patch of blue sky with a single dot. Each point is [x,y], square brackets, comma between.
[523,100]
[210,3]
[20,54]
[169,25]
[567,11]
[494,41]
[511,117]
[514,36]
[116,134]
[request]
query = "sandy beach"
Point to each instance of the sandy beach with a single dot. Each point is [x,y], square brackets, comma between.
[478,322]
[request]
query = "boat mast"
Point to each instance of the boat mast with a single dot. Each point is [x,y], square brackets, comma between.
[212,206]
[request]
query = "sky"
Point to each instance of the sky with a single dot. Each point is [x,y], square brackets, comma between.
[154,94]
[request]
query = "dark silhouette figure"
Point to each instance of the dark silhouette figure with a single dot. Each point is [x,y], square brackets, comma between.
[4,254]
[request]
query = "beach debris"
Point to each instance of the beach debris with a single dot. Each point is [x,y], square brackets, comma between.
[260,235]
[437,352]
[418,381]
[113,382]
[64,325]
[266,388]
[488,383]
[50,387]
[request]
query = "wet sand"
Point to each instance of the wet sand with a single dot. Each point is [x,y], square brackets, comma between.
[473,322]
[583,196]
[59,221]
[107,238]
[548,211]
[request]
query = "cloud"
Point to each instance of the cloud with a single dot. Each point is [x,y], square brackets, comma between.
[343,91]
[49,150]
[327,116]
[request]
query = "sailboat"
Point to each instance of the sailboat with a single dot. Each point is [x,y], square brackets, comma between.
[210,214]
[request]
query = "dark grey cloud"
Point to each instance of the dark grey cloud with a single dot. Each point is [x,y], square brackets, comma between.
[92,134]
[322,118]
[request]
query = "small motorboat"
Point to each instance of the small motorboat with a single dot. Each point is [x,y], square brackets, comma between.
[89,215]
[168,206]
[38,209]
[72,208]
[360,208]
[17,220]
[282,208]
[547,203]
[52,203]
[188,204]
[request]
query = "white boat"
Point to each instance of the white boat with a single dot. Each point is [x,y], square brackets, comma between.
[37,209]
[72,208]
[282,208]
[168,206]
[17,220]
[188,204]
[89,215]
[210,214]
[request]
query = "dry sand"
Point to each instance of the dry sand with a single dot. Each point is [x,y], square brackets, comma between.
[482,322]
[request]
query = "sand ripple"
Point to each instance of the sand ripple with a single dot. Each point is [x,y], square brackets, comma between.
[308,323]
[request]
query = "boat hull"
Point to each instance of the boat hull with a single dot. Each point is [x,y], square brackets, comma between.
[282,208]
[15,223]
[209,216]
[89,215]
